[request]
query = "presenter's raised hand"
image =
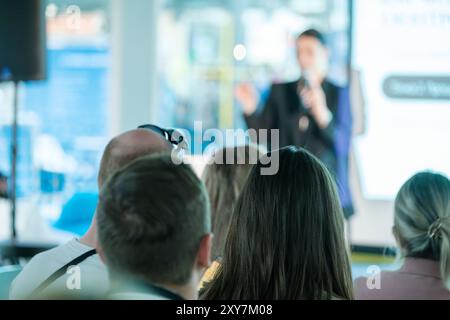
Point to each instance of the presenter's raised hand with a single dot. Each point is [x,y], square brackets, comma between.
[248,97]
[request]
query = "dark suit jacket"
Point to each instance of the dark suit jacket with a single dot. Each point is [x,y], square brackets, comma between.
[285,111]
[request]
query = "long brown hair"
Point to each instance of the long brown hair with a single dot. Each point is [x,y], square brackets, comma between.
[224,182]
[286,238]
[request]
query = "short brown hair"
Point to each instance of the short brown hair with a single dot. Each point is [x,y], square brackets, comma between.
[152,215]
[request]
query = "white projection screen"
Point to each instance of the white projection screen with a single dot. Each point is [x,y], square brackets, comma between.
[401,49]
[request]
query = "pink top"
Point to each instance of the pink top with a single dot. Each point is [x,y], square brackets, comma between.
[417,279]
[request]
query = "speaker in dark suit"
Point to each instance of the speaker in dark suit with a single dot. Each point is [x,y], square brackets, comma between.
[311,112]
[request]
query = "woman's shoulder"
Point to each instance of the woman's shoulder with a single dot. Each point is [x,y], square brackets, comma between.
[369,286]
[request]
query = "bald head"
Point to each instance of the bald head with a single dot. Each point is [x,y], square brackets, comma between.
[129,146]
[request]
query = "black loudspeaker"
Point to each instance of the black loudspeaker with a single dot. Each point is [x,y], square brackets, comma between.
[22,40]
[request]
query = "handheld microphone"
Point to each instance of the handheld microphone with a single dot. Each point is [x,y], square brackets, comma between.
[305,83]
[307,79]
[304,120]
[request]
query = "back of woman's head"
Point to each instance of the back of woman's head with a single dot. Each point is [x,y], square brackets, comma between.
[224,181]
[286,238]
[422,219]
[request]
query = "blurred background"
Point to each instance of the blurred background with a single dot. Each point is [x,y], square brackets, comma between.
[115,64]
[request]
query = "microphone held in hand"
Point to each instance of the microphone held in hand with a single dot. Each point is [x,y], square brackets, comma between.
[307,77]
[304,87]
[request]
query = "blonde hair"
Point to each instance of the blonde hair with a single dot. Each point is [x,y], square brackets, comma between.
[422,220]
[224,182]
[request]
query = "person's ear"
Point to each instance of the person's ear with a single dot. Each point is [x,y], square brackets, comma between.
[325,58]
[326,53]
[204,251]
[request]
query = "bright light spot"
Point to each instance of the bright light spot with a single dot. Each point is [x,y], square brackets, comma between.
[51,10]
[239,52]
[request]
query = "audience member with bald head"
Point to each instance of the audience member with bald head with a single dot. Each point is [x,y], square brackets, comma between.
[51,272]
[119,152]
